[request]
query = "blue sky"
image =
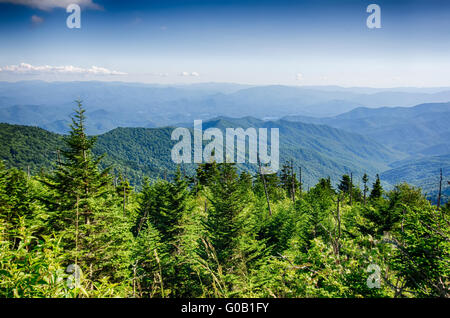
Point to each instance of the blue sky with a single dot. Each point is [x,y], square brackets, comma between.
[256,42]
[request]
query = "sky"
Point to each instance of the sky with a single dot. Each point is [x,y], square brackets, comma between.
[287,42]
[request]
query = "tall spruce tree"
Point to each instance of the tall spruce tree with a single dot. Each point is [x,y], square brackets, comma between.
[85,208]
[377,189]
[77,178]
[223,222]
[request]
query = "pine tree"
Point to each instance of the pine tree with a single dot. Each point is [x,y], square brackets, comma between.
[246,180]
[377,189]
[85,208]
[223,222]
[206,173]
[345,184]
[15,200]
[178,200]
[163,205]
[76,178]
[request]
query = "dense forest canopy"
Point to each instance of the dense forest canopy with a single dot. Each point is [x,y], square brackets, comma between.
[76,231]
[321,151]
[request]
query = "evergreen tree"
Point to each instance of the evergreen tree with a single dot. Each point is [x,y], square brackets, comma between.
[206,173]
[345,184]
[77,178]
[224,223]
[245,179]
[163,205]
[85,208]
[16,200]
[377,189]
[274,190]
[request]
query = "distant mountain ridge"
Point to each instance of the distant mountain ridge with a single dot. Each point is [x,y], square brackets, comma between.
[415,130]
[119,104]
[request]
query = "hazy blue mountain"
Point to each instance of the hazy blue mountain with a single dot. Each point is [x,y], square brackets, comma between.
[423,129]
[118,104]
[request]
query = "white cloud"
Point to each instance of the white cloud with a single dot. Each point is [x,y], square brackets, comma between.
[299,77]
[47,5]
[36,19]
[195,74]
[24,68]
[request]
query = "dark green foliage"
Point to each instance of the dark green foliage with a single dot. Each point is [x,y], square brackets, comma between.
[345,184]
[377,189]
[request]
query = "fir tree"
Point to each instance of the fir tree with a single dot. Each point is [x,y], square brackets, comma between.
[377,189]
[85,208]
[223,222]
[345,184]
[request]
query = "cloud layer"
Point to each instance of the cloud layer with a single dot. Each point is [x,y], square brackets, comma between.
[47,5]
[24,68]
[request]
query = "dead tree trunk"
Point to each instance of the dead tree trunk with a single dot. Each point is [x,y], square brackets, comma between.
[293,182]
[351,187]
[440,192]
[124,200]
[300,180]
[265,187]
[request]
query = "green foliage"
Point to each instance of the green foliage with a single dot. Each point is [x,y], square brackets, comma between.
[377,189]
[212,235]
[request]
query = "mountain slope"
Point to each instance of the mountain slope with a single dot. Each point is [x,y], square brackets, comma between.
[321,151]
[424,173]
[422,129]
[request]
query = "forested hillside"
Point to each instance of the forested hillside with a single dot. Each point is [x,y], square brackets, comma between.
[75,231]
[424,172]
[421,131]
[138,152]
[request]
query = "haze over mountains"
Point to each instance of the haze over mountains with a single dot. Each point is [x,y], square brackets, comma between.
[117,104]
[420,130]
[401,133]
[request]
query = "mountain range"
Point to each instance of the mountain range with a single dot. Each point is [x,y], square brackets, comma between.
[327,130]
[117,104]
